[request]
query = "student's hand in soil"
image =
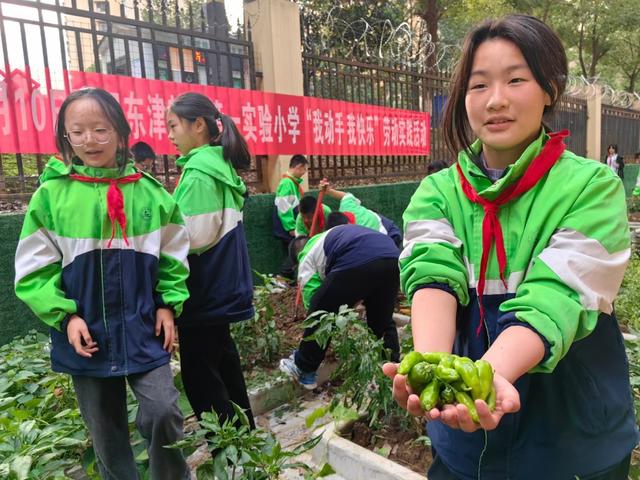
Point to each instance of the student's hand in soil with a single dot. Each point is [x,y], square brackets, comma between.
[80,338]
[165,324]
[456,416]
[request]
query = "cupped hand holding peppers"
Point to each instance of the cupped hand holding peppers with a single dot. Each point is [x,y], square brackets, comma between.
[457,416]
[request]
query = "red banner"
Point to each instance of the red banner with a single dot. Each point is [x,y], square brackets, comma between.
[271,123]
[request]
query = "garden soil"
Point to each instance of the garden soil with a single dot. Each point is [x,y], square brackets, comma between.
[396,442]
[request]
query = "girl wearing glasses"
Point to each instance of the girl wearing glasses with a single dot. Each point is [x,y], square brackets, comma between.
[102,261]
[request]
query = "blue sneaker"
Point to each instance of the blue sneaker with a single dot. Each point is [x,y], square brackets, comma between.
[307,380]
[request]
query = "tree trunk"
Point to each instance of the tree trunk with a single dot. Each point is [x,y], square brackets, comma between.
[583,67]
[430,13]
[633,77]
[595,47]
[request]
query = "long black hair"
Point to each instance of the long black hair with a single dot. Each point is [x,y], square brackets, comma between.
[111,109]
[191,106]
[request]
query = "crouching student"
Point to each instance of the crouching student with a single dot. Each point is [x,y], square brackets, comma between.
[362,215]
[305,217]
[143,156]
[102,260]
[345,265]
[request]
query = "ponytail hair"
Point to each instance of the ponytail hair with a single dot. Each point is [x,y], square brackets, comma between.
[191,106]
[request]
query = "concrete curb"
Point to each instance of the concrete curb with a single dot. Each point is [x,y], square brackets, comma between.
[355,462]
[282,390]
[401,319]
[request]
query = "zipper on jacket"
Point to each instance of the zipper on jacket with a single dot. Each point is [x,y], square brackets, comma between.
[102,303]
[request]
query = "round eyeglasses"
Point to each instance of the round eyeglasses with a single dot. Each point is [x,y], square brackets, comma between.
[79,138]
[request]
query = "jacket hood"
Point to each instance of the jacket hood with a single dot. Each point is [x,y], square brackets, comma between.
[210,160]
[54,168]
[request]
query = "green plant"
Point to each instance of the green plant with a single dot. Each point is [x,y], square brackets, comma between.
[41,431]
[633,204]
[363,386]
[258,340]
[42,434]
[240,452]
[628,299]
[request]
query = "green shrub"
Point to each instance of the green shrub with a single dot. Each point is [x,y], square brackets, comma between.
[41,431]
[242,453]
[627,303]
[258,340]
[361,384]
[633,204]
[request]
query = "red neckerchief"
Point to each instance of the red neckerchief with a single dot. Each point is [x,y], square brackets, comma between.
[115,201]
[491,229]
[298,186]
[350,217]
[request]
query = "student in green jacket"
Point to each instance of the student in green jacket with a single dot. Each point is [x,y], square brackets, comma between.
[211,196]
[515,255]
[362,215]
[287,201]
[304,220]
[102,261]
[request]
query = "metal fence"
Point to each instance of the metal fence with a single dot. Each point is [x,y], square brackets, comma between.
[620,127]
[154,39]
[571,114]
[399,88]
[352,81]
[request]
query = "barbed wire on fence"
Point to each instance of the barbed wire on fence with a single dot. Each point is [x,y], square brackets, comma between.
[583,87]
[378,40]
[408,44]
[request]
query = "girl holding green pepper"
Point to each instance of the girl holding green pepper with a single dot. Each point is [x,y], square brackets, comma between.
[515,255]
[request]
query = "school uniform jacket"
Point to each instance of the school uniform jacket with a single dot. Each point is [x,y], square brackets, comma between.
[338,249]
[64,266]
[211,197]
[370,219]
[287,201]
[301,228]
[567,246]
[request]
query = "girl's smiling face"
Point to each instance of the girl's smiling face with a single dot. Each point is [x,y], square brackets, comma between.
[504,102]
[90,133]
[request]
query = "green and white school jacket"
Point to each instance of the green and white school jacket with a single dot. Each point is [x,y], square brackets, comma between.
[567,247]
